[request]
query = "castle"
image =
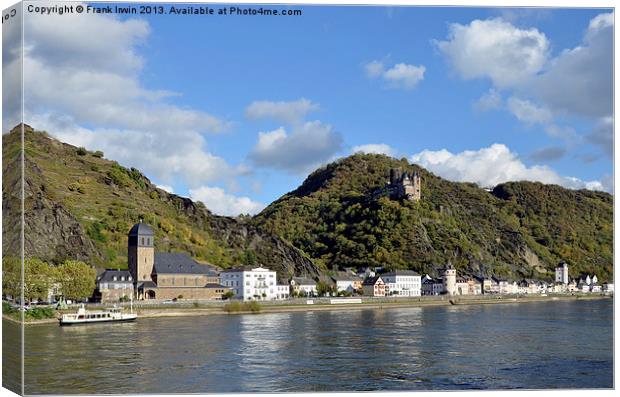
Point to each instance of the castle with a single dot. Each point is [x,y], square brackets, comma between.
[404,185]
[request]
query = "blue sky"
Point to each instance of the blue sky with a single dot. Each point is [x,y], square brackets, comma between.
[235,111]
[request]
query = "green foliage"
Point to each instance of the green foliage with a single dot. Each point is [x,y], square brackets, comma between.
[39,313]
[98,154]
[96,232]
[237,306]
[81,151]
[76,279]
[323,288]
[249,258]
[118,176]
[228,295]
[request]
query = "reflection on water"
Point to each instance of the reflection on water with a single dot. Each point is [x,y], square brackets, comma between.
[459,347]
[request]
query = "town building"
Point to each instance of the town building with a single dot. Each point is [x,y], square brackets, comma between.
[607,288]
[303,286]
[468,286]
[402,283]
[249,284]
[166,275]
[348,284]
[373,286]
[432,286]
[113,286]
[282,291]
[561,273]
[449,279]
[489,285]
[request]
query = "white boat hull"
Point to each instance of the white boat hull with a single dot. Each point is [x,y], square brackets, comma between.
[124,318]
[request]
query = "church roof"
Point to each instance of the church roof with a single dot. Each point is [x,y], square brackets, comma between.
[108,276]
[177,263]
[141,229]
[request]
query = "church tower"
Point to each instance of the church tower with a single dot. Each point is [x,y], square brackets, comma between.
[141,252]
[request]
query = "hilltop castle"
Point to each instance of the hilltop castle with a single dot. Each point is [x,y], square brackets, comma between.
[404,185]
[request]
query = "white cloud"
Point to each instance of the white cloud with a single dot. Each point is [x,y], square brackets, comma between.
[495,49]
[401,75]
[166,188]
[376,148]
[306,147]
[528,112]
[492,165]
[374,69]
[404,76]
[84,87]
[287,112]
[490,100]
[221,203]
[580,80]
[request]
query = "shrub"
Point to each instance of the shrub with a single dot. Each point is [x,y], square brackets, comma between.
[94,167]
[233,307]
[98,154]
[76,187]
[81,151]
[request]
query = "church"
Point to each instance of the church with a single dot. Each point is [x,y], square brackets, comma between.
[167,275]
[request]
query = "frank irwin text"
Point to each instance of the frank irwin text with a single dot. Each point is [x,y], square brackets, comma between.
[159,9]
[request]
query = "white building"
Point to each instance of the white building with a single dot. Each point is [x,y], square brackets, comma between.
[282,291]
[402,283]
[251,284]
[608,287]
[303,285]
[348,284]
[561,273]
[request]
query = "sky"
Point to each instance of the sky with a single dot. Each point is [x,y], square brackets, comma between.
[236,111]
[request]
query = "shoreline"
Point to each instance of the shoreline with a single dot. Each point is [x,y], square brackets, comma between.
[300,307]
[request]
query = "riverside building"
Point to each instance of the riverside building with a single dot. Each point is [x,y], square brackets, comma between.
[249,284]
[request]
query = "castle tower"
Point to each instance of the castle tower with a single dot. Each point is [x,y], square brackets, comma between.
[140,252]
[416,182]
[449,279]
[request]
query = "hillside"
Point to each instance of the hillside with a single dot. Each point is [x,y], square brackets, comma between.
[521,229]
[78,205]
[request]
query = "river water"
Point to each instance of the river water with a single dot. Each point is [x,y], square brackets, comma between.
[562,344]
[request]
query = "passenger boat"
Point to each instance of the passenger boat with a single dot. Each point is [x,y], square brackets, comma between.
[84,316]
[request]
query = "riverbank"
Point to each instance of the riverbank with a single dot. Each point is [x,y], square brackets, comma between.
[144,311]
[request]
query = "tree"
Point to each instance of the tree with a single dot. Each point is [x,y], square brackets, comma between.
[249,257]
[76,279]
[228,295]
[11,276]
[38,277]
[323,288]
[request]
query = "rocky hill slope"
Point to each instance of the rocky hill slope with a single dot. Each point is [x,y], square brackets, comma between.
[79,205]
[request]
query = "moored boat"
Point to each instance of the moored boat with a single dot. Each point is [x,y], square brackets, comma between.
[84,316]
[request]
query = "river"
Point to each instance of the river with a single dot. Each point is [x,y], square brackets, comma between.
[562,344]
